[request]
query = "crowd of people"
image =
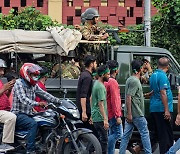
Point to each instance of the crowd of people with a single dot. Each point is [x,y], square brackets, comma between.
[99,102]
[100,105]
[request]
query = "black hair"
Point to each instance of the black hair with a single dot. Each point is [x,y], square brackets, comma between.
[101,69]
[112,64]
[145,60]
[136,65]
[88,60]
[44,71]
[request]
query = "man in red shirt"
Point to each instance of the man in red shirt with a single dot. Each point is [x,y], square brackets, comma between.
[113,106]
[6,117]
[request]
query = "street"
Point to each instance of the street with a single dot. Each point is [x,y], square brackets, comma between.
[156,152]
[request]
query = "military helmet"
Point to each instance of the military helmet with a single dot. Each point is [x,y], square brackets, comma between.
[83,20]
[90,13]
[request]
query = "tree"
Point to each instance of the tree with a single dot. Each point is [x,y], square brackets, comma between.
[27,19]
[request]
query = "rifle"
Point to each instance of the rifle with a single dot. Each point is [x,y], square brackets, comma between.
[119,30]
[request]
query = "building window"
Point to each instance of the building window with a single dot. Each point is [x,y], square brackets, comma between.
[0,9]
[6,3]
[130,11]
[23,3]
[86,3]
[121,3]
[39,3]
[69,20]
[78,11]
[70,3]
[138,3]
[15,10]
[138,20]
[122,21]
[104,2]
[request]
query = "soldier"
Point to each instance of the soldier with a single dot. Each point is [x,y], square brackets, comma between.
[70,67]
[91,32]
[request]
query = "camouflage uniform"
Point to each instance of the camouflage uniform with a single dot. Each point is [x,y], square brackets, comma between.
[93,33]
[69,71]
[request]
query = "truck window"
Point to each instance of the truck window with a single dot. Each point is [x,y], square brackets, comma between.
[124,66]
[154,62]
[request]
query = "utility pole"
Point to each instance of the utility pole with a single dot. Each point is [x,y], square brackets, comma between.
[147,22]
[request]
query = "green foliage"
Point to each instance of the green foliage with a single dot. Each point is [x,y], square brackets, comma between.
[28,19]
[165,28]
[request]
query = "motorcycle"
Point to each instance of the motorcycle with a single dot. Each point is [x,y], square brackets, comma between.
[57,133]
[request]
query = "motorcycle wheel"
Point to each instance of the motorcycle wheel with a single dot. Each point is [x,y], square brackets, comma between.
[50,147]
[87,144]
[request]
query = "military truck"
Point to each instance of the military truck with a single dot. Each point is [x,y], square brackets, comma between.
[124,55]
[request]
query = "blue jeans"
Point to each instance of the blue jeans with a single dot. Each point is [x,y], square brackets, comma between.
[141,125]
[174,148]
[26,123]
[115,133]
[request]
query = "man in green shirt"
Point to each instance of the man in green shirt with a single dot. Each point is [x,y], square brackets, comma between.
[99,106]
[134,110]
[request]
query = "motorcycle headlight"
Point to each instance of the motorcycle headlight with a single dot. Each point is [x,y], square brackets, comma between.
[75,113]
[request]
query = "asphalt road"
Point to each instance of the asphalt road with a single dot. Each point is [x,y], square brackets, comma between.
[156,152]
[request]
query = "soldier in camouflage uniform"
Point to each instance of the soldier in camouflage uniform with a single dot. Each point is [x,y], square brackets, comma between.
[69,68]
[91,32]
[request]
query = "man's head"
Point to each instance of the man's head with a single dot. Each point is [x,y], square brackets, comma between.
[44,73]
[146,65]
[2,67]
[163,63]
[113,66]
[90,62]
[30,72]
[104,72]
[137,67]
[91,14]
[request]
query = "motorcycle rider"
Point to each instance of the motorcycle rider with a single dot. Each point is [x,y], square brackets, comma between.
[24,92]
[6,117]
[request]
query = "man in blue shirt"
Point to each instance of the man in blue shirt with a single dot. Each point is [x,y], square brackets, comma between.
[161,105]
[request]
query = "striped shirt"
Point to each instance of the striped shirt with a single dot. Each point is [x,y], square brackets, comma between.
[24,97]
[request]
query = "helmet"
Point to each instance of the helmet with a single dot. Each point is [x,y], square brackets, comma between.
[90,13]
[71,54]
[44,72]
[83,20]
[2,63]
[27,69]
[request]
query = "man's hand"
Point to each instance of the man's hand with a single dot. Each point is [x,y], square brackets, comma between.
[167,115]
[106,124]
[42,104]
[9,85]
[90,121]
[177,122]
[105,36]
[118,121]
[84,116]
[129,118]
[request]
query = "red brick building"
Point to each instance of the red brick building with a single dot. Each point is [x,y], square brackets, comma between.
[7,5]
[114,12]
